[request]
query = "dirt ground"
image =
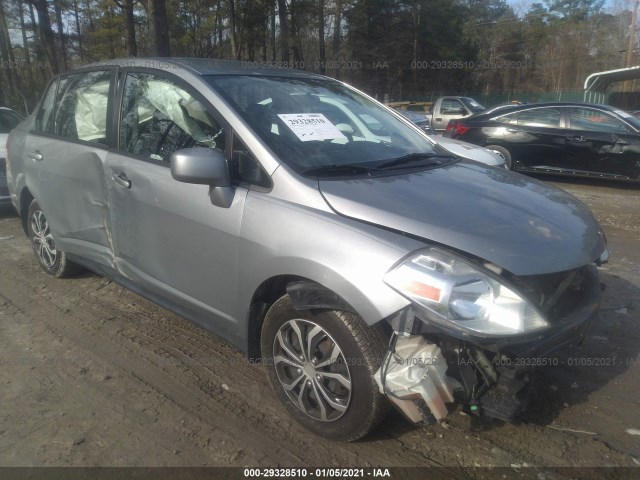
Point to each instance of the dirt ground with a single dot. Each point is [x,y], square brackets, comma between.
[93,375]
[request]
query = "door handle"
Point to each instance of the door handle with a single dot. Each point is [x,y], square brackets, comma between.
[37,156]
[576,138]
[513,130]
[122,180]
[438,119]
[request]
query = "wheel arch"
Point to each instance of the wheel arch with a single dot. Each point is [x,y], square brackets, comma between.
[305,294]
[333,292]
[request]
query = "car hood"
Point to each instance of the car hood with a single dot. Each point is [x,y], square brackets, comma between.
[510,220]
[469,151]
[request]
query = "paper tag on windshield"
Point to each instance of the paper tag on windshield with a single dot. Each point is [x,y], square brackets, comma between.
[311,126]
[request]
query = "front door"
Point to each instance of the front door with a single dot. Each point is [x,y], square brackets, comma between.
[168,237]
[599,143]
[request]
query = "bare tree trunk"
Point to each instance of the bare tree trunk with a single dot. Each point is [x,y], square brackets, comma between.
[27,55]
[7,52]
[127,8]
[37,45]
[284,30]
[337,34]
[159,28]
[110,16]
[294,34]
[46,34]
[321,49]
[273,31]
[6,55]
[337,29]
[63,43]
[235,51]
[78,32]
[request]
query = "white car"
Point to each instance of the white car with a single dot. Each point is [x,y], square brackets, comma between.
[458,148]
[469,151]
[8,120]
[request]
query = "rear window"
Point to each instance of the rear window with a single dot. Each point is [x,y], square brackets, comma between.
[8,120]
[535,117]
[81,112]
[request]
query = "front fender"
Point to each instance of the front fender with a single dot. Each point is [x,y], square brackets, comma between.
[346,256]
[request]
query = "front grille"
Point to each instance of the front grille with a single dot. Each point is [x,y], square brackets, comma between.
[555,294]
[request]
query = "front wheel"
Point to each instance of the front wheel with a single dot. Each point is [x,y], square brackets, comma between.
[321,364]
[52,260]
[503,152]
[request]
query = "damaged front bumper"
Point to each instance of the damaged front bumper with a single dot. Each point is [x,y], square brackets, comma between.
[489,376]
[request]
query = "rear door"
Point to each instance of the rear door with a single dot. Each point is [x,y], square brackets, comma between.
[536,137]
[168,236]
[600,143]
[64,162]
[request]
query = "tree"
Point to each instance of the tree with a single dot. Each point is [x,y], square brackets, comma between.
[159,28]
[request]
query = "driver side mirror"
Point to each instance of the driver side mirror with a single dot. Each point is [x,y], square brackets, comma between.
[463,112]
[204,166]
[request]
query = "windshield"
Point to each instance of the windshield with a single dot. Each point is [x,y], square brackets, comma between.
[315,124]
[472,105]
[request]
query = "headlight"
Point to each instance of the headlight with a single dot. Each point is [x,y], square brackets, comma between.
[456,293]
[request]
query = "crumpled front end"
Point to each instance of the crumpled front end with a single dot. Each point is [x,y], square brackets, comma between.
[429,365]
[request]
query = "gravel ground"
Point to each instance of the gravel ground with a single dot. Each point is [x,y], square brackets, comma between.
[94,375]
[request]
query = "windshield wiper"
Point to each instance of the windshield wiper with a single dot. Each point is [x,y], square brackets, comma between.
[334,169]
[415,157]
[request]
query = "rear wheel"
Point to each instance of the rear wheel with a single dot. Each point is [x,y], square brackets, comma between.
[321,364]
[503,152]
[52,260]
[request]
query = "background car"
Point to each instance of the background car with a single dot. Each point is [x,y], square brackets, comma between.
[461,149]
[8,120]
[559,138]
[420,119]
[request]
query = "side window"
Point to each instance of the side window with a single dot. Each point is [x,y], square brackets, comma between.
[539,117]
[510,118]
[595,121]
[159,117]
[450,106]
[82,102]
[44,118]
[244,166]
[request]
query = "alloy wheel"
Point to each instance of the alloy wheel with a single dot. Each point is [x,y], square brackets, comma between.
[312,370]
[45,247]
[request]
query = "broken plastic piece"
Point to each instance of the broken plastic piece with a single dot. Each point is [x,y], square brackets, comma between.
[417,372]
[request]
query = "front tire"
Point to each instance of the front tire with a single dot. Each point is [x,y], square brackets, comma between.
[52,260]
[503,152]
[321,363]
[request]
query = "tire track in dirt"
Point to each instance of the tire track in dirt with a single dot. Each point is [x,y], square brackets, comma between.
[165,389]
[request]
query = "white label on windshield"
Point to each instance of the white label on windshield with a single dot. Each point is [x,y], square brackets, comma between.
[311,126]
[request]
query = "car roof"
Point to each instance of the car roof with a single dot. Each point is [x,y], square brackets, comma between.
[505,109]
[206,66]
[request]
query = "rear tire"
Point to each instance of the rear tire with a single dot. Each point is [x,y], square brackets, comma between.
[503,152]
[331,354]
[52,260]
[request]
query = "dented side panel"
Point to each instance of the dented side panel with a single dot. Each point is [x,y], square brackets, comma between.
[69,184]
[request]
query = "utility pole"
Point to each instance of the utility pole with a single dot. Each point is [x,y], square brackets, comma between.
[632,33]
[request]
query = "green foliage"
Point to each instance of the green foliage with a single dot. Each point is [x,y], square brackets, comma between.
[392,49]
